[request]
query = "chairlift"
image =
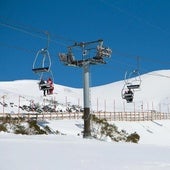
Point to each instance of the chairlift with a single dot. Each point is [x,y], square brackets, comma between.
[46,82]
[44,85]
[127,94]
[132,79]
[132,83]
[42,66]
[42,62]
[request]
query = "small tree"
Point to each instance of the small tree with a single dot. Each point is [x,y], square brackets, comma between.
[101,129]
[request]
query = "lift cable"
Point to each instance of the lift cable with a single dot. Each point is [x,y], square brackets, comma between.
[110,67]
[37,34]
[143,58]
[63,44]
[21,30]
[130,66]
[114,6]
[31,33]
[18,48]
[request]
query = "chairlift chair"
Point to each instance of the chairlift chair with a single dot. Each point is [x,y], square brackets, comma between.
[67,59]
[133,80]
[43,85]
[42,67]
[127,94]
[132,83]
[63,57]
[42,62]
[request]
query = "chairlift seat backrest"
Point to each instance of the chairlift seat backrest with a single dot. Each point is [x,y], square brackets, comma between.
[70,58]
[63,57]
[42,61]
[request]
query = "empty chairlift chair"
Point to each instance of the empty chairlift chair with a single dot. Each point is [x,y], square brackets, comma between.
[132,79]
[132,83]
[42,62]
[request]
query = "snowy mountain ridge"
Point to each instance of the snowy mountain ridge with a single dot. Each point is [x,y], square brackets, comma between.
[154,94]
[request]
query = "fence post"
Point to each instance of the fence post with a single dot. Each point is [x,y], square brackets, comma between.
[142,106]
[105,106]
[97,105]
[123,106]
[18,105]
[152,106]
[134,112]
[78,102]
[50,116]
[160,107]
[147,106]
[3,97]
[160,115]
[114,116]
[114,106]
[125,116]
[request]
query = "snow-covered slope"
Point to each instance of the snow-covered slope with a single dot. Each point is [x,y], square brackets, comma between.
[154,94]
[26,92]
[73,152]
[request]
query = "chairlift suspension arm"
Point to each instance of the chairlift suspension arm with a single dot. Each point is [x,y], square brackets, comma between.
[48,39]
[138,62]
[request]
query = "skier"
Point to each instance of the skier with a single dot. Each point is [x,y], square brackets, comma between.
[50,90]
[43,86]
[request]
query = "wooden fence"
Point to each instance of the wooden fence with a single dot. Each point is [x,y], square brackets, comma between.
[110,116]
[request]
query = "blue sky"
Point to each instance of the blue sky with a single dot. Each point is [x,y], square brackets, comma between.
[130,28]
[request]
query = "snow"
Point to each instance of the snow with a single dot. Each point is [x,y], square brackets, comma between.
[69,150]
[154,94]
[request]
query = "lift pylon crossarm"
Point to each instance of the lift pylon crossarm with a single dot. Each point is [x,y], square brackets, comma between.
[99,53]
[83,44]
[95,61]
